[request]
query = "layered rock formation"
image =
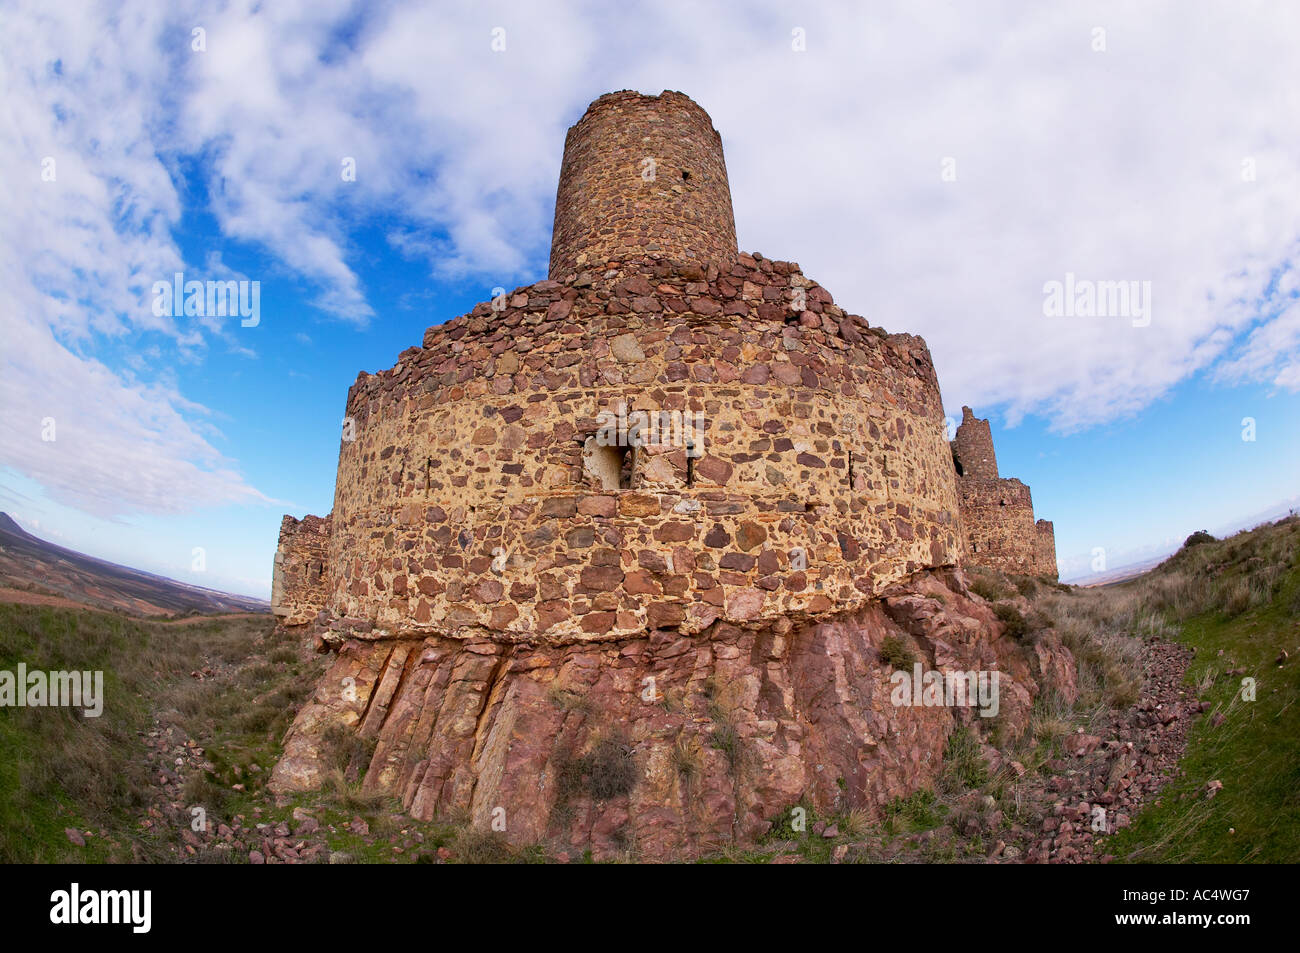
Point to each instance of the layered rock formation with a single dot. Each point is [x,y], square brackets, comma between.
[669,743]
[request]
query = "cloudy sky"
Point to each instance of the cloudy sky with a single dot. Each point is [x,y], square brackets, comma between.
[935,165]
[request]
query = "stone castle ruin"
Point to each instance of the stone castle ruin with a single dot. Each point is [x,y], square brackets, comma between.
[997,515]
[613,556]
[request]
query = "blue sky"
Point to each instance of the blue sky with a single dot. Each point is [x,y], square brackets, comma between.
[1161,149]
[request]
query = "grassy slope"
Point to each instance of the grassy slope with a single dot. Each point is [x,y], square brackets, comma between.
[1239,597]
[59,769]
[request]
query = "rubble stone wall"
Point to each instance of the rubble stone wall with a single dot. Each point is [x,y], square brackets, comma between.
[300,579]
[998,517]
[642,176]
[465,500]
[1045,549]
[972,448]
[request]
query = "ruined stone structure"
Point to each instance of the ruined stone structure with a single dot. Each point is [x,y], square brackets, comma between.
[642,176]
[615,553]
[300,584]
[997,514]
[1045,548]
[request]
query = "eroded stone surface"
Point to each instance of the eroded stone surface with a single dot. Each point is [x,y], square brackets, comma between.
[668,742]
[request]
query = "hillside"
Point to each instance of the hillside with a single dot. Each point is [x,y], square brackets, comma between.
[35,566]
[196,715]
[1236,604]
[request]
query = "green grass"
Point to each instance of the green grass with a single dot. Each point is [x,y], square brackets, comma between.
[1255,752]
[59,769]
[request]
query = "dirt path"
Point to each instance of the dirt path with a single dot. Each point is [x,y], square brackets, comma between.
[1102,781]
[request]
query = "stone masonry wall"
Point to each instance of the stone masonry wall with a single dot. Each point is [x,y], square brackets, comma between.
[463,505]
[1045,548]
[300,581]
[972,448]
[998,517]
[642,176]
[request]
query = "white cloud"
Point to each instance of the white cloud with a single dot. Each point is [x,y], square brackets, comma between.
[1117,165]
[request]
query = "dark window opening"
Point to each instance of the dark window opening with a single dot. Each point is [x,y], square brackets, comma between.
[626,466]
[690,463]
[850,469]
[686,176]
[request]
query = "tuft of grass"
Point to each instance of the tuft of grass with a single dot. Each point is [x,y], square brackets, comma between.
[566,699]
[896,652]
[477,846]
[963,762]
[1012,619]
[686,760]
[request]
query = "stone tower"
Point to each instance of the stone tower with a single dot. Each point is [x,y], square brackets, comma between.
[642,176]
[521,582]
[997,514]
[972,450]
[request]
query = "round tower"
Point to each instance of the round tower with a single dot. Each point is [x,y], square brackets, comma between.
[642,176]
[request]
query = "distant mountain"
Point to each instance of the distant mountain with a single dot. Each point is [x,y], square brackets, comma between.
[1121,573]
[32,564]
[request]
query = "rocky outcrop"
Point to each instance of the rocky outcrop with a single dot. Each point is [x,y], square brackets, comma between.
[668,744]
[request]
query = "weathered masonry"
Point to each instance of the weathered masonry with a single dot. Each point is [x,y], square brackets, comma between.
[669,487]
[997,514]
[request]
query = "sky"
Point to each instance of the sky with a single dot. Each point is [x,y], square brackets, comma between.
[378,168]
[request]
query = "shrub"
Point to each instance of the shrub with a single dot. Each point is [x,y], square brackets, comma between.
[896,652]
[1198,538]
[1011,618]
[606,771]
[989,586]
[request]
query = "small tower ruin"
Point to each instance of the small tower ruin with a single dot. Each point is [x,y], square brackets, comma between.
[997,514]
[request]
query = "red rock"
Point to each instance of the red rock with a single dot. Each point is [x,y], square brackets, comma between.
[745,604]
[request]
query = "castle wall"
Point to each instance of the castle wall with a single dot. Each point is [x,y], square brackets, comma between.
[509,569]
[300,581]
[998,517]
[463,502]
[642,176]
[1045,549]
[972,448]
